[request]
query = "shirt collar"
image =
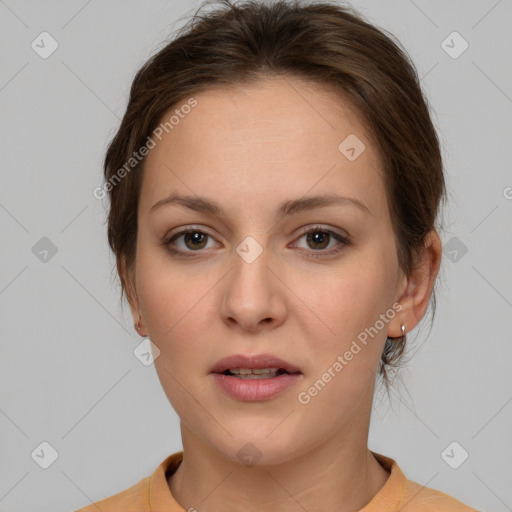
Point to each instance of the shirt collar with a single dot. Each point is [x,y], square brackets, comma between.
[388,499]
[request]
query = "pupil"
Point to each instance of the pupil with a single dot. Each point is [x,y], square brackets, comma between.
[324,238]
[196,239]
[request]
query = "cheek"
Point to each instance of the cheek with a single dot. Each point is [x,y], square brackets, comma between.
[348,341]
[349,304]
[174,307]
[349,297]
[173,302]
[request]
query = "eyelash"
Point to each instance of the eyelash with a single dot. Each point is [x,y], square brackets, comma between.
[320,253]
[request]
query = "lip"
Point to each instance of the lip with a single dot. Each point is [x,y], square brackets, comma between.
[253,361]
[254,389]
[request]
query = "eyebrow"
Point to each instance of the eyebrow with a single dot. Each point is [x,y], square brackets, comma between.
[290,207]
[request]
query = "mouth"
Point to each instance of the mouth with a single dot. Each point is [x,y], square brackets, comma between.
[258,366]
[256,373]
[255,378]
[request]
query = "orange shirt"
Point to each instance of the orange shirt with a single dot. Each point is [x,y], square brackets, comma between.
[152,494]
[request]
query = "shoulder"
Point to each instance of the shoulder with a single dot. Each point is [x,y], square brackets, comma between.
[400,493]
[420,498]
[150,492]
[133,499]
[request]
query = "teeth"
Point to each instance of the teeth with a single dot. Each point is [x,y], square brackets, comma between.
[254,371]
[252,376]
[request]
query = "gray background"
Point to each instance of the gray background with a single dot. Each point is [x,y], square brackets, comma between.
[68,375]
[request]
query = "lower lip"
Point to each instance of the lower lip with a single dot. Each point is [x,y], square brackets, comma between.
[255,389]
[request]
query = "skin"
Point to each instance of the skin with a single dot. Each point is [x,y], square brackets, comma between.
[249,148]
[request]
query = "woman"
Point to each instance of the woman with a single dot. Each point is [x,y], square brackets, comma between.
[274,189]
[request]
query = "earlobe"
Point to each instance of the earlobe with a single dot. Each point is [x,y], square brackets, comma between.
[418,286]
[138,328]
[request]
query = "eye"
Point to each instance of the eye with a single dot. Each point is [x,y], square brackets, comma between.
[318,239]
[193,240]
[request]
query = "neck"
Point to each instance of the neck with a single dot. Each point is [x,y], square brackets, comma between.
[339,474]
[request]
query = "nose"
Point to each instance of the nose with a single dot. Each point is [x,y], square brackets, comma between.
[254,297]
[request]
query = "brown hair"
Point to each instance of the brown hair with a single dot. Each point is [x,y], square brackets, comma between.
[322,42]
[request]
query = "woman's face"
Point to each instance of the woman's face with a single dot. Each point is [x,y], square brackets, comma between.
[305,299]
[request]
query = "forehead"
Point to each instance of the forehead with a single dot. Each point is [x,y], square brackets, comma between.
[276,138]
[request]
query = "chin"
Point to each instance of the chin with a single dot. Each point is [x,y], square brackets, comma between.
[252,450]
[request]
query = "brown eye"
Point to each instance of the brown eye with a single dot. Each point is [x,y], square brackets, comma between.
[192,240]
[319,239]
[196,239]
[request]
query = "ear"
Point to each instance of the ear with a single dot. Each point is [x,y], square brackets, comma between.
[127,277]
[415,290]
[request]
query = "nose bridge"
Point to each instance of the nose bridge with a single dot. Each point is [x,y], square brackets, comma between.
[249,279]
[251,295]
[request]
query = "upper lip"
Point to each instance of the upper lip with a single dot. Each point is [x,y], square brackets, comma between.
[254,361]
